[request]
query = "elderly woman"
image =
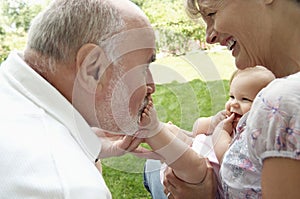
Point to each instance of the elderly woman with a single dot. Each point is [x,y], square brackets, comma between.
[264,160]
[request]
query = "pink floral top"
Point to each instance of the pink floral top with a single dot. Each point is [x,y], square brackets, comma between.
[271,129]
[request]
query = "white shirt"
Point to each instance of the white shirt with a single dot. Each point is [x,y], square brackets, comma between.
[47,149]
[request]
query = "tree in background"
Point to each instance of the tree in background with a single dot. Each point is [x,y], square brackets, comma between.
[176,32]
[14,24]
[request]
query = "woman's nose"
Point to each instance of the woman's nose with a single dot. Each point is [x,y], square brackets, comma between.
[211,36]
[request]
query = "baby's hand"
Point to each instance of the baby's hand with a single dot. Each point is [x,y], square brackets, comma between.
[227,124]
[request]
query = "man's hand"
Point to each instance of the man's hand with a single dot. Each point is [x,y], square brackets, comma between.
[179,189]
[117,145]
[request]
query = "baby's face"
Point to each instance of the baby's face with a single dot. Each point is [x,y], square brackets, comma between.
[242,93]
[244,87]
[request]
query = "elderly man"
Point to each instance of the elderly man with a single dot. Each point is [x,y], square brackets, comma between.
[85,65]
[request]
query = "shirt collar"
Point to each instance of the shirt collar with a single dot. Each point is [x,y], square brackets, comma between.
[43,94]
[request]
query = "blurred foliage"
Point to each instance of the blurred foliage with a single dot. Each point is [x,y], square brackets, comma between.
[176,32]
[14,24]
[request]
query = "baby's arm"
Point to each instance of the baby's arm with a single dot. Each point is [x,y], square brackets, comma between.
[221,137]
[186,163]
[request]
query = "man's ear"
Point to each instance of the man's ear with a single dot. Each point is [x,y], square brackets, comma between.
[91,63]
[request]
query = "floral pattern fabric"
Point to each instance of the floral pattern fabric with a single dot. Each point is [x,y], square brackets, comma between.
[237,170]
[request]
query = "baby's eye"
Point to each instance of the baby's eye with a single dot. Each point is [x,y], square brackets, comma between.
[231,97]
[247,100]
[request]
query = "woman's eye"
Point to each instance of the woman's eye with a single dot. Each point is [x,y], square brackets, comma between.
[211,14]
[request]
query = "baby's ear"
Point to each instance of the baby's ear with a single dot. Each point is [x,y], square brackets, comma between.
[91,62]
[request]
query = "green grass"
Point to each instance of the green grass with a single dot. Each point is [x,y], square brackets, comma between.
[124,177]
[181,103]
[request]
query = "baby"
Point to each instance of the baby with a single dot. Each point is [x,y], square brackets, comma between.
[244,87]
[172,144]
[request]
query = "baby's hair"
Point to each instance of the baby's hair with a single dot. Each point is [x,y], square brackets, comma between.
[233,76]
[261,72]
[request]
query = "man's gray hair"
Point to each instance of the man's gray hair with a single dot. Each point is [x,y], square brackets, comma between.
[58,32]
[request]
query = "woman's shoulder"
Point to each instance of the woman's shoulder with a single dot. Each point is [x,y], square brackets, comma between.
[274,120]
[285,91]
[289,83]
[280,98]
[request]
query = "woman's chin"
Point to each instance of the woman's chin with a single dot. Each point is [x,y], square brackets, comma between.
[239,64]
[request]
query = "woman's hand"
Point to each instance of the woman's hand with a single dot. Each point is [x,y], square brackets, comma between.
[178,189]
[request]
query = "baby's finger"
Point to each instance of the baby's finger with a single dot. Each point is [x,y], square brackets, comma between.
[230,118]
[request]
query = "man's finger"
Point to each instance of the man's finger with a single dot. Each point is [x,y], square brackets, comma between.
[145,153]
[126,142]
[135,142]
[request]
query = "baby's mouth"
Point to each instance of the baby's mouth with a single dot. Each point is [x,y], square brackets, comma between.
[237,117]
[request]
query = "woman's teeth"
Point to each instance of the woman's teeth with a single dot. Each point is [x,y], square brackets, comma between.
[231,44]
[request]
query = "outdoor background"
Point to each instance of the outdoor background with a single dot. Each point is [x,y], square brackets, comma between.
[191,76]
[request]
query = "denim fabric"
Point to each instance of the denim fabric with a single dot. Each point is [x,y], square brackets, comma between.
[152,179]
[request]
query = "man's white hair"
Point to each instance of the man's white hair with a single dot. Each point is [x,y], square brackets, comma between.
[58,32]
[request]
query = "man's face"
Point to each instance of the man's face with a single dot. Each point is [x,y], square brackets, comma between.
[128,81]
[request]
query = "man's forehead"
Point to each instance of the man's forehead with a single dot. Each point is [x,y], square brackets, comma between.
[132,40]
